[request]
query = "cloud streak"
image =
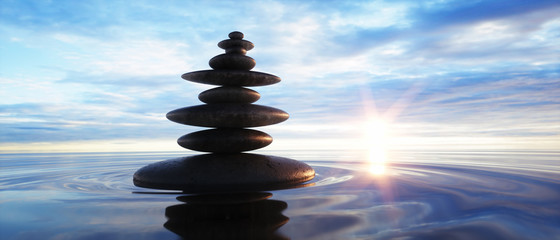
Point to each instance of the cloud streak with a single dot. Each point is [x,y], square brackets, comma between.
[455,70]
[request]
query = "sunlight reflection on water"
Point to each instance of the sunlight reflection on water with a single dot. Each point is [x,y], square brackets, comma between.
[377,161]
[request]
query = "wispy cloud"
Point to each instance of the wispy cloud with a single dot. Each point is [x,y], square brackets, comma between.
[455,70]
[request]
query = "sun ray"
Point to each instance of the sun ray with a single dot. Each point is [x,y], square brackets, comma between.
[377,127]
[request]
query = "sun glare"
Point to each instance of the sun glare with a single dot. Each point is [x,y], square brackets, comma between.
[376,134]
[377,161]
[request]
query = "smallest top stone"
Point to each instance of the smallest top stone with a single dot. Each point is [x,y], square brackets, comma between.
[236,44]
[236,35]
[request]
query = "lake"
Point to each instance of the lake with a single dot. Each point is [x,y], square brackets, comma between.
[407,195]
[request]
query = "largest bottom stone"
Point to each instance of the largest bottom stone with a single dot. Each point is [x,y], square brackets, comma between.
[224,173]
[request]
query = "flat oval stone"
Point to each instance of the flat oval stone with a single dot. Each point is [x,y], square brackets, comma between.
[225,140]
[231,78]
[229,43]
[232,62]
[224,173]
[228,115]
[229,95]
[236,50]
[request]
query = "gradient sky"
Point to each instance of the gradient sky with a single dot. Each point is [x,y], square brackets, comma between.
[101,75]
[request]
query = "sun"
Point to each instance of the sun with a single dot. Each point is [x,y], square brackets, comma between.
[376,140]
[376,130]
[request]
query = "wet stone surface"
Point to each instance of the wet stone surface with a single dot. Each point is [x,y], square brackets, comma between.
[224,173]
[231,78]
[228,115]
[229,95]
[232,61]
[225,140]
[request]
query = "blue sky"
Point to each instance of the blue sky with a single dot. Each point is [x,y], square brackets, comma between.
[100,75]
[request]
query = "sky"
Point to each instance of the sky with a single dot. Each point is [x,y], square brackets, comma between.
[101,75]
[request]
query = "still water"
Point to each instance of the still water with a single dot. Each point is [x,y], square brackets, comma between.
[408,195]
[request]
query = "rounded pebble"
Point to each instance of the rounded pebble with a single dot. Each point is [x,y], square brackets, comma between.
[236,35]
[231,78]
[228,115]
[230,43]
[232,62]
[236,50]
[224,173]
[229,95]
[225,140]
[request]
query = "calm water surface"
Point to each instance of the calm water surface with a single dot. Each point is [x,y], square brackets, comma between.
[413,195]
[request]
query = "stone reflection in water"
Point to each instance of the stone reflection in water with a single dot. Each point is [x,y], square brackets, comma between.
[227,216]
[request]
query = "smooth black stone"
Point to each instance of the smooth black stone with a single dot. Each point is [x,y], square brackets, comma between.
[239,48]
[236,50]
[231,78]
[215,173]
[228,115]
[233,43]
[236,35]
[232,62]
[229,95]
[225,140]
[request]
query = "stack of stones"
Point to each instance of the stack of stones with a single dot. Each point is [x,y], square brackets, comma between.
[229,111]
